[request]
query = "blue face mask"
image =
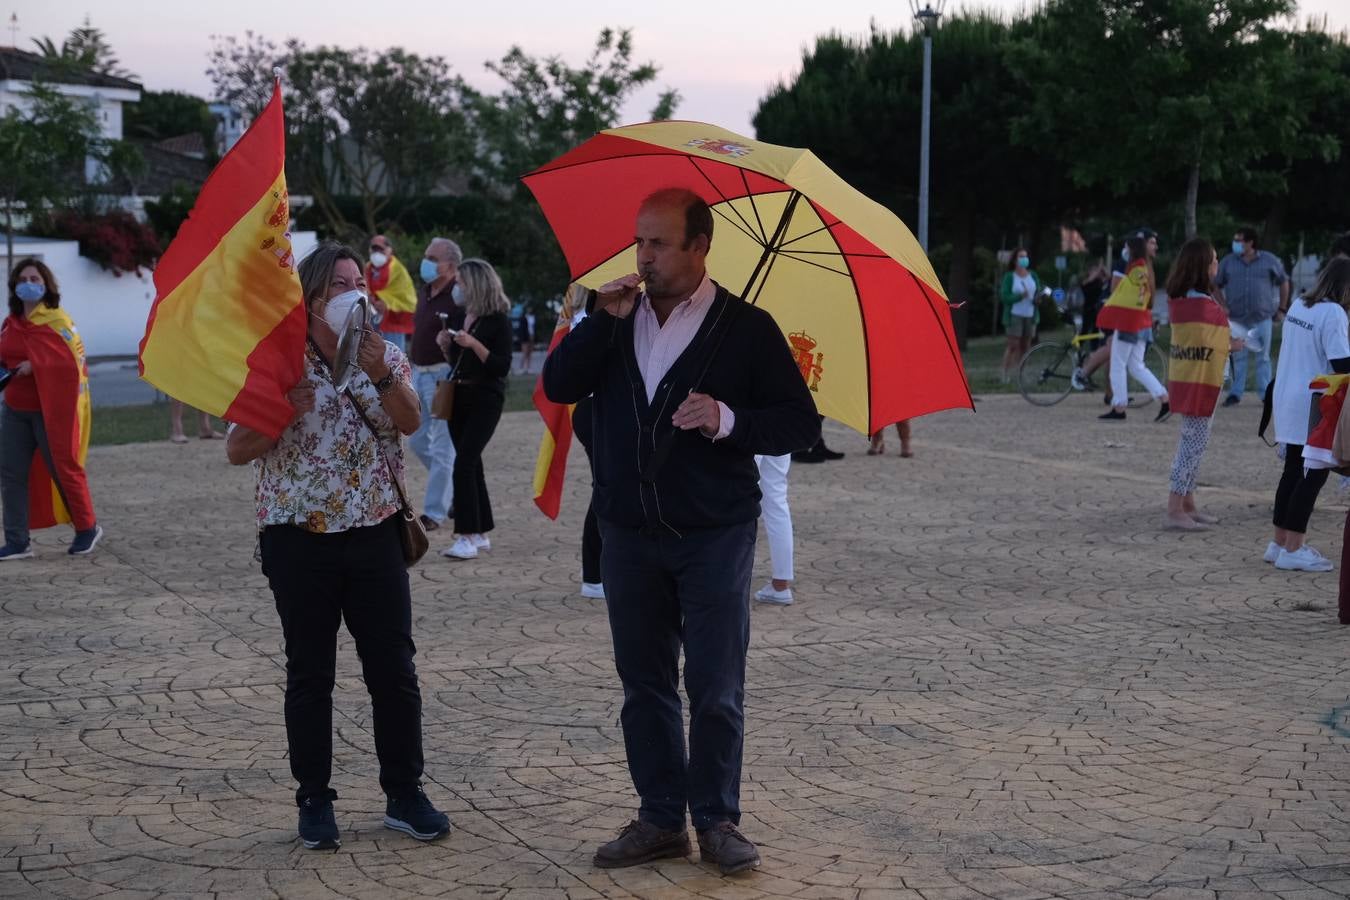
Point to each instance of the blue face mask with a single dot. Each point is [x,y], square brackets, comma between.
[1023,261]
[457,294]
[30,291]
[1238,247]
[429,271]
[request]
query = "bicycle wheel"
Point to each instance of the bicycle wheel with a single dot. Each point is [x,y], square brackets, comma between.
[1043,377]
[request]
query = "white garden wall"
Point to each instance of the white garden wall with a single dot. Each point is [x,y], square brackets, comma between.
[110,311]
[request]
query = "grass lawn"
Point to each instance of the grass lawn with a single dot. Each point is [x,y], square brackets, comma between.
[141,424]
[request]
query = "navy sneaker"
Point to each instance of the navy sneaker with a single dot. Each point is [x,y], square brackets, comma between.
[413,814]
[85,540]
[14,551]
[318,828]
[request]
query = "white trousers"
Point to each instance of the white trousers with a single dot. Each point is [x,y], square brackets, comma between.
[1130,358]
[773,483]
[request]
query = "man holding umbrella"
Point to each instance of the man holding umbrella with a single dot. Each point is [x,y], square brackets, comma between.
[699,382]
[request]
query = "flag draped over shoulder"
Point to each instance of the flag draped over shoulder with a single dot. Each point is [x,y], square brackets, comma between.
[55,349]
[1128,307]
[1199,352]
[551,464]
[227,331]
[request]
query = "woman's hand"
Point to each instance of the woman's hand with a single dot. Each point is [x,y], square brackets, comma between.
[24,368]
[443,338]
[370,357]
[464,339]
[301,399]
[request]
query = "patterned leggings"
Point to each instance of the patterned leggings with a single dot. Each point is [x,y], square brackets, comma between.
[1191,449]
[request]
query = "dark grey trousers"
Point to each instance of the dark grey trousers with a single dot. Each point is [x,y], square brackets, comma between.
[21,433]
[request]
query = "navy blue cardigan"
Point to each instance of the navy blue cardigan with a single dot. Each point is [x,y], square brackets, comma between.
[701,483]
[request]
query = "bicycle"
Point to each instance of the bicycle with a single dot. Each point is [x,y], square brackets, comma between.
[1045,376]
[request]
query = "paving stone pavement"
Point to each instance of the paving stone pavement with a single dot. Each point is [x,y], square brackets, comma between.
[1000,680]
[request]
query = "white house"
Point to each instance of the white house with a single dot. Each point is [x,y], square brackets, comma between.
[105,94]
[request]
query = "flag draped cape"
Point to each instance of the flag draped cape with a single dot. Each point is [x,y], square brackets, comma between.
[1129,307]
[226,333]
[1200,338]
[394,286]
[57,354]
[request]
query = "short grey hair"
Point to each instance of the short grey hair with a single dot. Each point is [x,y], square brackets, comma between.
[453,254]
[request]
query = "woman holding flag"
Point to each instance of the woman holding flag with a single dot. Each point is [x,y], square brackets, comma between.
[44,421]
[1201,341]
[328,501]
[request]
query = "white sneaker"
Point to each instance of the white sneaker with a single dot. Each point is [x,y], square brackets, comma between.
[1078,380]
[1304,559]
[462,548]
[767,594]
[1273,551]
[592,591]
[481,543]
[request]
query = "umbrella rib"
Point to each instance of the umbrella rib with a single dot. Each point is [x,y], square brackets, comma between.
[726,201]
[764,234]
[743,229]
[810,262]
[802,237]
[836,253]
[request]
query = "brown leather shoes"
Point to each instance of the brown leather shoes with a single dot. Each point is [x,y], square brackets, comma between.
[640,842]
[730,850]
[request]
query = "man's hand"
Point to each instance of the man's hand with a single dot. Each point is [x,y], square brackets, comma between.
[23,368]
[301,399]
[619,296]
[698,411]
[370,357]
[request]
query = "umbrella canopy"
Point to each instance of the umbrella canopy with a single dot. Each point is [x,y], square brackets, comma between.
[846,281]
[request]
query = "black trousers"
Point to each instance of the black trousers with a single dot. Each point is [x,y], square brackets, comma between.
[1297,494]
[318,581]
[664,592]
[591,540]
[472,422]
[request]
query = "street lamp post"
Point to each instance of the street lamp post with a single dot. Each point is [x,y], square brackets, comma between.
[927,18]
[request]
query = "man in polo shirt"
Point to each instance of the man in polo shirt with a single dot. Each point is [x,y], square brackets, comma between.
[1256,288]
[431,442]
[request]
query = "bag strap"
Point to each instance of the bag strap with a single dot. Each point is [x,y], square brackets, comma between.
[379,444]
[459,361]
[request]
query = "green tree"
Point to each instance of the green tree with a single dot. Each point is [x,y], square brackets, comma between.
[546,108]
[160,115]
[43,147]
[1132,94]
[86,49]
[375,125]
[856,104]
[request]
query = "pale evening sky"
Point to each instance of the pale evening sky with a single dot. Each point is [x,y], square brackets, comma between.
[721,55]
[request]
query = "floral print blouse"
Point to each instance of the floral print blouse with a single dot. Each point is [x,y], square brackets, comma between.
[326,473]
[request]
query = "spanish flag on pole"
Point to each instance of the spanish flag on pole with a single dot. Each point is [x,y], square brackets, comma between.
[227,331]
[551,465]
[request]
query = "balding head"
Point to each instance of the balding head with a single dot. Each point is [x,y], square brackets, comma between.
[698,218]
[445,250]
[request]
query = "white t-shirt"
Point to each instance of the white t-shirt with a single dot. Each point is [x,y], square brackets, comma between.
[1313,336]
[1024,286]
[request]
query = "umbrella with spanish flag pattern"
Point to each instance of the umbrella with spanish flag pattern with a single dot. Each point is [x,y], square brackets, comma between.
[855,296]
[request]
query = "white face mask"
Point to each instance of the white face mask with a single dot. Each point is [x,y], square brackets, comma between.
[379,260]
[339,308]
